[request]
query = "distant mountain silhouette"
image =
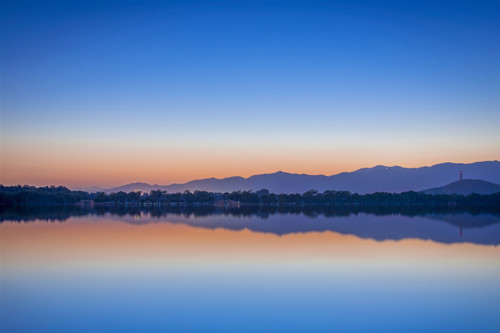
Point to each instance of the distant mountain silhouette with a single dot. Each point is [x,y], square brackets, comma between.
[380,178]
[466,187]
[143,187]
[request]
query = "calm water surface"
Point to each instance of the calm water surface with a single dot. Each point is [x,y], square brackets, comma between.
[257,272]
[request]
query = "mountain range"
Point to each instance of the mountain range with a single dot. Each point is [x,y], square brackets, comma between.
[380,178]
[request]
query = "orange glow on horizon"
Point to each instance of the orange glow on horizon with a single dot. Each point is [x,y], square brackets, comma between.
[114,166]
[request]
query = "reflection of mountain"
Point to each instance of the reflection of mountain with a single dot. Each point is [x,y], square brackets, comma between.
[479,228]
[466,187]
[367,180]
[388,227]
[466,220]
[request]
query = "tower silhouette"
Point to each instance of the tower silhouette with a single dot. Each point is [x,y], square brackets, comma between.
[461,175]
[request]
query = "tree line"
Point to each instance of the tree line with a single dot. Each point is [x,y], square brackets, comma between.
[60,195]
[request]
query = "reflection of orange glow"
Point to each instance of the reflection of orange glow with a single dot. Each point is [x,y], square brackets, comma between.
[114,242]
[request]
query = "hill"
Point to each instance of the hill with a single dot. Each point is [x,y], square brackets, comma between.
[466,187]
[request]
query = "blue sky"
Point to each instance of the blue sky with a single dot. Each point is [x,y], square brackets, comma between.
[364,83]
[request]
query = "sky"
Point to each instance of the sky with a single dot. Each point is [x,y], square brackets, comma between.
[111,92]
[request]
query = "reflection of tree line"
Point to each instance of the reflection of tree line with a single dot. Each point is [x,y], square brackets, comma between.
[59,214]
[45,213]
[29,195]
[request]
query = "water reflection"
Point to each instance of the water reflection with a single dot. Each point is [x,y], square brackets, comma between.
[379,223]
[261,270]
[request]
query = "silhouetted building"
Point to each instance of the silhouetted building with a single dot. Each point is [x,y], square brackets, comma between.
[461,175]
[85,203]
[227,203]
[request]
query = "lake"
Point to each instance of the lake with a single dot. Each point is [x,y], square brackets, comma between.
[248,270]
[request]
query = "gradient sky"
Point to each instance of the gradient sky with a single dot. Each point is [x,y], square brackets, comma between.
[109,92]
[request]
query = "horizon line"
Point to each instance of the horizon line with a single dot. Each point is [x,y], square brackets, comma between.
[245,178]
